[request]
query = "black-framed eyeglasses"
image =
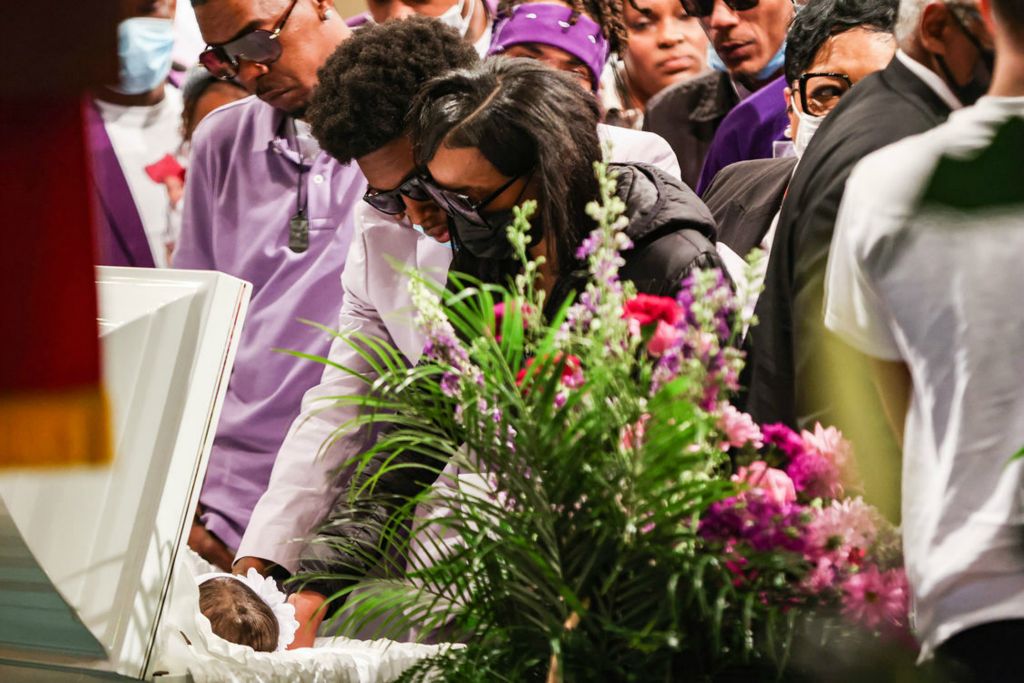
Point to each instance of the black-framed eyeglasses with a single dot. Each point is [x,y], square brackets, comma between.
[390,201]
[704,8]
[820,92]
[458,203]
[258,45]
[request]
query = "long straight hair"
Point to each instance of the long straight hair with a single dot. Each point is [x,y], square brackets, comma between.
[524,117]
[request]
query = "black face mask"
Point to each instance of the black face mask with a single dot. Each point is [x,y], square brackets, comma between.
[981,75]
[484,241]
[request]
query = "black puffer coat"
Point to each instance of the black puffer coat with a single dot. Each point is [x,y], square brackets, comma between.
[671,230]
[672,233]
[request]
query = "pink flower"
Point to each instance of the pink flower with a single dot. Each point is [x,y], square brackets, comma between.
[822,577]
[845,530]
[776,484]
[665,337]
[875,598]
[738,428]
[828,443]
[647,309]
[633,435]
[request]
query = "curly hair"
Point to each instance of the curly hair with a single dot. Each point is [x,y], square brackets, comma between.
[821,19]
[237,614]
[366,86]
[607,14]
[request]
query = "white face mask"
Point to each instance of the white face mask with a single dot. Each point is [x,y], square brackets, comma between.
[453,17]
[806,130]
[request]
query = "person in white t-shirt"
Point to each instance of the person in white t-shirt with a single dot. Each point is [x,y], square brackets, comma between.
[924,276]
[140,131]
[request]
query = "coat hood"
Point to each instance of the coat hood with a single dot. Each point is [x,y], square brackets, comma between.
[658,204]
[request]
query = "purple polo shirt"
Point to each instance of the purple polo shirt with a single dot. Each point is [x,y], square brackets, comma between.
[748,131]
[241,192]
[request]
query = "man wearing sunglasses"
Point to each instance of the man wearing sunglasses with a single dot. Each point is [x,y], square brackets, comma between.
[264,204]
[382,64]
[748,39]
[797,373]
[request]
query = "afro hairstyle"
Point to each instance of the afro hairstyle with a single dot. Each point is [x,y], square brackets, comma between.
[368,84]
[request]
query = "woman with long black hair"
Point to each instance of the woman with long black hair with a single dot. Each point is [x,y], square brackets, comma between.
[510,130]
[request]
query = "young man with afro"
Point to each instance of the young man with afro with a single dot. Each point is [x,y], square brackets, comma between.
[358,113]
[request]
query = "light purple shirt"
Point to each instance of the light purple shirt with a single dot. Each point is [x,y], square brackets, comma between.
[241,193]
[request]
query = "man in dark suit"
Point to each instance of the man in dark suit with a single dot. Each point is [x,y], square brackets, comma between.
[831,46]
[745,197]
[793,365]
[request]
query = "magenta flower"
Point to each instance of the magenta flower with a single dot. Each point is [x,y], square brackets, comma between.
[783,438]
[815,476]
[875,598]
[738,428]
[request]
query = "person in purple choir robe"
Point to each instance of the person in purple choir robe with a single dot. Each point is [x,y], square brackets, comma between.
[132,126]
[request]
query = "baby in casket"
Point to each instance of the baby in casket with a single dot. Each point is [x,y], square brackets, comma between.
[247,610]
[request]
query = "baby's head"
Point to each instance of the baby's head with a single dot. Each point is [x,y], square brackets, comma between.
[238,614]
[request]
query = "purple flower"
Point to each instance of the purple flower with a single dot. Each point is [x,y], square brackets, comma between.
[450,384]
[757,520]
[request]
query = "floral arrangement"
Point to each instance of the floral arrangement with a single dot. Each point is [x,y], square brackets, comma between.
[602,511]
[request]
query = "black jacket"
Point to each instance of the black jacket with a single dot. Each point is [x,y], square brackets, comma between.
[671,230]
[744,198]
[784,355]
[672,233]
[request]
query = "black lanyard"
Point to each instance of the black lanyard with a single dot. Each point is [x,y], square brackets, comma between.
[298,226]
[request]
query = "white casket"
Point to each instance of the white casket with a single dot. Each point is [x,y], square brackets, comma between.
[104,540]
[96,580]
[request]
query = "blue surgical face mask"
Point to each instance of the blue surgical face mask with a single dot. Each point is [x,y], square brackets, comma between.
[774,64]
[144,46]
[714,61]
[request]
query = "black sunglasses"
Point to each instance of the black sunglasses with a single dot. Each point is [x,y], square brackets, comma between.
[458,203]
[258,45]
[704,8]
[820,92]
[390,201]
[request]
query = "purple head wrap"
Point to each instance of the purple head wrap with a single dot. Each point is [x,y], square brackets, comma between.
[555,25]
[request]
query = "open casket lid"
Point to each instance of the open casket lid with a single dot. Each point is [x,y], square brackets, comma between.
[86,553]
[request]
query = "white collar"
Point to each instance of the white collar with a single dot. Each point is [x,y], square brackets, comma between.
[931,79]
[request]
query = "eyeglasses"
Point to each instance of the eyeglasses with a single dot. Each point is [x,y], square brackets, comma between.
[258,45]
[390,201]
[458,203]
[820,92]
[704,8]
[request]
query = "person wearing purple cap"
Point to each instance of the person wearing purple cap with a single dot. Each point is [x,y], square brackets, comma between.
[577,40]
